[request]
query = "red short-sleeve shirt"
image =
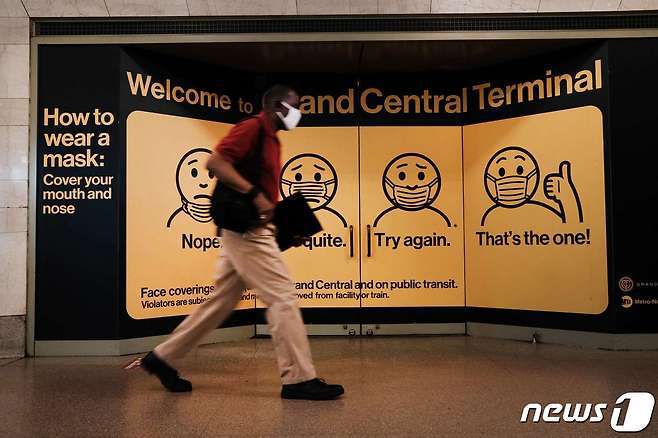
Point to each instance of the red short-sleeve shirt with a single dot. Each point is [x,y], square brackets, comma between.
[238,148]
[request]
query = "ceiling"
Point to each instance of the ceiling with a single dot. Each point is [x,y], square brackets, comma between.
[364,57]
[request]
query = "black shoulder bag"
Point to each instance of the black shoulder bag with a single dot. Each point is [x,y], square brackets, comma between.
[231,209]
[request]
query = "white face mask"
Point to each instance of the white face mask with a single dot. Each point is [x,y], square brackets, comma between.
[413,199]
[292,119]
[199,212]
[512,190]
[315,192]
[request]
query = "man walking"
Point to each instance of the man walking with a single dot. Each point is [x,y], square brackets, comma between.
[252,259]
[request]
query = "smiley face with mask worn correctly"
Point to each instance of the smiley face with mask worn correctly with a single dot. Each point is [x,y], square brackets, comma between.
[412,182]
[511,179]
[194,183]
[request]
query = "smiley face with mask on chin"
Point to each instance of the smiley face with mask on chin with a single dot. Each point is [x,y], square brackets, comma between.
[194,183]
[411,182]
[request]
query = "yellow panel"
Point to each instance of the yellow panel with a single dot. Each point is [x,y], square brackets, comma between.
[535,213]
[169,241]
[322,163]
[411,196]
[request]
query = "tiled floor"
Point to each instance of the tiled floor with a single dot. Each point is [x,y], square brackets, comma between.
[7,361]
[395,386]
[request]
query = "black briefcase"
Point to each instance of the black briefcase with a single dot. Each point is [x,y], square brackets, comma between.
[293,219]
[232,210]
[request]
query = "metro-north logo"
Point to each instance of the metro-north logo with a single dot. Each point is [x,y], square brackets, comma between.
[632,412]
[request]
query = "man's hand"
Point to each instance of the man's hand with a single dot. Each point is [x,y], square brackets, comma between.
[264,207]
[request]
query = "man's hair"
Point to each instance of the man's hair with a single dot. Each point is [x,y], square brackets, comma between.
[275,94]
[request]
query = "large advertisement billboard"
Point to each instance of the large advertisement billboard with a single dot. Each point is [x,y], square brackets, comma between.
[443,198]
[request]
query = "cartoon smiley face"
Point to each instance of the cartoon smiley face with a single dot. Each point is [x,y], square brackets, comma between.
[411,181]
[511,177]
[313,176]
[193,180]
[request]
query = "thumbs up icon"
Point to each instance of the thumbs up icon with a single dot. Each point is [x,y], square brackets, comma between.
[560,188]
[556,184]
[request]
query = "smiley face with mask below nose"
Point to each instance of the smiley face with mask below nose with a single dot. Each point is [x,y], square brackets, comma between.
[312,176]
[194,183]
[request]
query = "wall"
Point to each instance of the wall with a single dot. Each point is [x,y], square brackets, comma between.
[14,93]
[124,8]
[14,98]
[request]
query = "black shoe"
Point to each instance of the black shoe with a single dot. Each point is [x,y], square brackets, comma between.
[168,376]
[315,389]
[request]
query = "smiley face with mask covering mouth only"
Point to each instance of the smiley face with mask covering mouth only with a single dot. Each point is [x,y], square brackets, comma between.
[314,177]
[511,179]
[411,182]
[194,183]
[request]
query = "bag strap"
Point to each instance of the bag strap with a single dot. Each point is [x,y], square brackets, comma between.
[250,165]
[258,150]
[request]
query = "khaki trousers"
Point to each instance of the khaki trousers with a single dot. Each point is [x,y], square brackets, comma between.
[251,260]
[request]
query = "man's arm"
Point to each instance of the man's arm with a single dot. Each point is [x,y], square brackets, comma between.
[226,173]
